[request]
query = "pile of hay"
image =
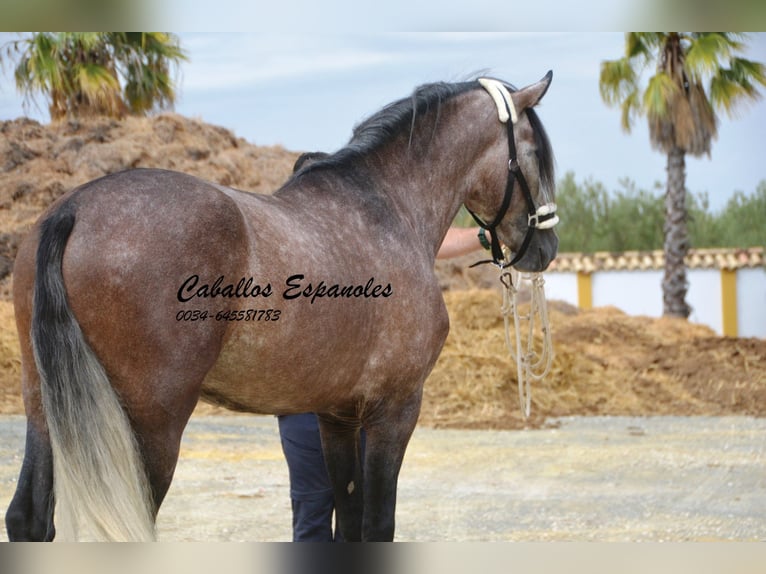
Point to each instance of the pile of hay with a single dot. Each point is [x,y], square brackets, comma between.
[606,363]
[10,363]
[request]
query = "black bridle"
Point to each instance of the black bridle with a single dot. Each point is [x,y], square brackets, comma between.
[543,217]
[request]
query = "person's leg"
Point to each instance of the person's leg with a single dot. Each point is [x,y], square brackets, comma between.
[310,489]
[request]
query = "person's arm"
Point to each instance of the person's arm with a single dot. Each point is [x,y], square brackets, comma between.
[461,240]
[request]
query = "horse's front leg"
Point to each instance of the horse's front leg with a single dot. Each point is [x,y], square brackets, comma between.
[341,445]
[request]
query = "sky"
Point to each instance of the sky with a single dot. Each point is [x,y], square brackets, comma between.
[307,91]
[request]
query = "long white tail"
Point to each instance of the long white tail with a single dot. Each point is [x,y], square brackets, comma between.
[100,485]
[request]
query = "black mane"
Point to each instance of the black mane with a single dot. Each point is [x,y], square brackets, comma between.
[384,125]
[400,115]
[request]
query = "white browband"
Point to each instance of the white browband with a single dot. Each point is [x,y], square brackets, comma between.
[501,97]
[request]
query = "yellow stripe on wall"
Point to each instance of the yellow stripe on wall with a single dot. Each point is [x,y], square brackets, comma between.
[729,301]
[584,290]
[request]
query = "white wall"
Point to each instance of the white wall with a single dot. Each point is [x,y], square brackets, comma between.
[751,302]
[640,293]
[635,292]
[704,296]
[561,287]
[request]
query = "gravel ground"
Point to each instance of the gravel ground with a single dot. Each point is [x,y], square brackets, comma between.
[582,479]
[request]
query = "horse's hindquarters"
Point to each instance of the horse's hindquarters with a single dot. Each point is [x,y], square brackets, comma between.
[116,273]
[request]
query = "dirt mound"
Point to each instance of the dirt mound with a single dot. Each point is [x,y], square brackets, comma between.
[606,362]
[38,163]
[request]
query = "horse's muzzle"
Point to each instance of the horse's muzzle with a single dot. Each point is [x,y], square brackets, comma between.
[541,251]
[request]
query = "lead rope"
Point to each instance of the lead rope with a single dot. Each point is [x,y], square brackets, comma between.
[530,365]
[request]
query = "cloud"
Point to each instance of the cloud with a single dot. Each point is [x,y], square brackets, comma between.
[229,61]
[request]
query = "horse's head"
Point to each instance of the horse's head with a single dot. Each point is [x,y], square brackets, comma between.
[519,210]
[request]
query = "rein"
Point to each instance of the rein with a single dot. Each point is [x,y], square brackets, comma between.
[529,363]
[543,217]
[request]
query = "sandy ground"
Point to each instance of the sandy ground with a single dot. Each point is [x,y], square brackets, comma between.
[579,479]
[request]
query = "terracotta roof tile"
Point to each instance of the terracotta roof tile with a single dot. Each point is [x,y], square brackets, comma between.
[643,260]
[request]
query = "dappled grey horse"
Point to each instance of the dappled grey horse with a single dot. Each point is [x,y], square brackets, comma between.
[143,291]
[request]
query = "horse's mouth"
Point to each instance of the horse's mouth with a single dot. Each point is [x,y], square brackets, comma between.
[540,254]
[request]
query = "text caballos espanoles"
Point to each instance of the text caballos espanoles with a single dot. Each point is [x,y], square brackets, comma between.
[295,287]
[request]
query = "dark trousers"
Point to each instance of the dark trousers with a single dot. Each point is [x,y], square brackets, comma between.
[310,488]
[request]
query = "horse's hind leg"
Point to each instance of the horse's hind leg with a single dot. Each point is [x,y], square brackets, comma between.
[160,446]
[159,422]
[30,514]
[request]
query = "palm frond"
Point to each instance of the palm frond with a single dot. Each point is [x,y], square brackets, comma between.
[642,46]
[706,52]
[617,80]
[734,86]
[99,89]
[630,108]
[660,91]
[94,78]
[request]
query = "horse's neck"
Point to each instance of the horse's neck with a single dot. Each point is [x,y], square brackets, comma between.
[430,176]
[423,176]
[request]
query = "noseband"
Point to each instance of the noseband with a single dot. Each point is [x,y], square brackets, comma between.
[543,217]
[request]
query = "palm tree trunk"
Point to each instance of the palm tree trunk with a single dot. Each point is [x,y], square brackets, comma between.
[674,284]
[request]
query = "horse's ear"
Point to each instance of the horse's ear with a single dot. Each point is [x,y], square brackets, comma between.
[531,95]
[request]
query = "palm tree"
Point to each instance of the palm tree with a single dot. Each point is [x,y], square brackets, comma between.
[97,73]
[695,73]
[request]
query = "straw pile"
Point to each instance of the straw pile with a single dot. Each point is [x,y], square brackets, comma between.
[606,363]
[10,363]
